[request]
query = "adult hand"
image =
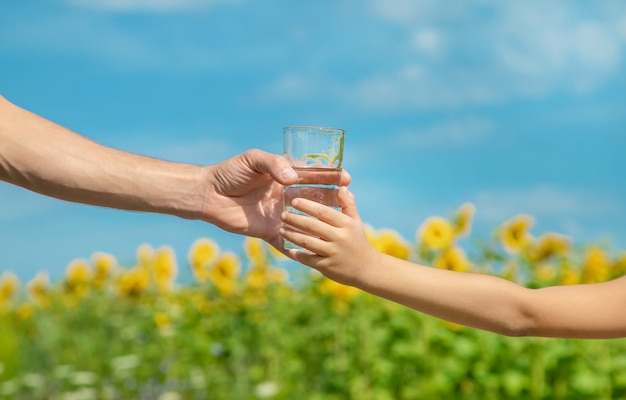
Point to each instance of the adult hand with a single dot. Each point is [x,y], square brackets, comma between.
[244,194]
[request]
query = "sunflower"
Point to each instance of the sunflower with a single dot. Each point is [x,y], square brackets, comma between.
[463,219]
[255,251]
[549,245]
[339,292]
[569,274]
[164,268]
[103,265]
[38,289]
[9,286]
[202,254]
[596,267]
[134,282]
[514,234]
[436,233]
[453,259]
[78,276]
[145,255]
[225,273]
[389,242]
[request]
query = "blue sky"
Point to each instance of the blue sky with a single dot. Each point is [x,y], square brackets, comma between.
[517,107]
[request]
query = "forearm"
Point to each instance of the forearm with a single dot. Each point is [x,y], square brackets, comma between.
[46,158]
[474,300]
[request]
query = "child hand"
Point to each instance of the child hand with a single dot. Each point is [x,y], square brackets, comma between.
[335,242]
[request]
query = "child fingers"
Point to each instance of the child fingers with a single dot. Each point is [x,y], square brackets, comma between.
[348,205]
[307,258]
[307,242]
[317,210]
[306,224]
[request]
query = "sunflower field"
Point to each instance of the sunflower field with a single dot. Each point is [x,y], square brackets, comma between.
[249,327]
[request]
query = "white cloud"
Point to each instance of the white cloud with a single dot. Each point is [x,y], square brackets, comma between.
[495,51]
[98,36]
[404,11]
[302,87]
[418,86]
[496,206]
[427,41]
[295,86]
[552,48]
[147,5]
[449,133]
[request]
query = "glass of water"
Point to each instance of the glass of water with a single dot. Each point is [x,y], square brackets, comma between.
[316,154]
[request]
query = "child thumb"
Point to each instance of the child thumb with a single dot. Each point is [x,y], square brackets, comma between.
[348,205]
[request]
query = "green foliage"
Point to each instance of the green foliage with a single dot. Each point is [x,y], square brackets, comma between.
[108,332]
[295,344]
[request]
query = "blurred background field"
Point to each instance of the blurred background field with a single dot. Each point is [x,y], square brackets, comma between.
[245,329]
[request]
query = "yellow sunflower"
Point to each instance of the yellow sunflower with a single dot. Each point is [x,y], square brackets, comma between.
[463,219]
[569,274]
[38,289]
[225,273]
[103,266]
[514,234]
[597,266]
[389,242]
[9,286]
[436,233]
[339,292]
[164,268]
[134,282]
[549,245]
[202,254]
[453,259]
[255,251]
[78,276]
[145,255]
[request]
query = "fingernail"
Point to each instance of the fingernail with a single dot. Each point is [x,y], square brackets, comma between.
[288,174]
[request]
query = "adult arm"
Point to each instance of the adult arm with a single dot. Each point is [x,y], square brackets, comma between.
[242,194]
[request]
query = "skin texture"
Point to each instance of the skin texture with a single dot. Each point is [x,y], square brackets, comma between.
[336,245]
[242,195]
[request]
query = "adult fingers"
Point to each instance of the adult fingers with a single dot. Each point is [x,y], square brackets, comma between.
[346,178]
[276,166]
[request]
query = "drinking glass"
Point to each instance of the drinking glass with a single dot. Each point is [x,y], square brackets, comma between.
[316,154]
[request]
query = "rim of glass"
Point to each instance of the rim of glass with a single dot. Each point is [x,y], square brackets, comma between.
[313,127]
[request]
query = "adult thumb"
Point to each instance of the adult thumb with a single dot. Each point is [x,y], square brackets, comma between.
[276,166]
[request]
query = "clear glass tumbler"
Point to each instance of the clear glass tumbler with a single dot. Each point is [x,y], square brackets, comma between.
[316,153]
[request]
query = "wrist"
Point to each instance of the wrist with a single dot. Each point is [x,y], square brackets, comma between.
[371,271]
[191,203]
